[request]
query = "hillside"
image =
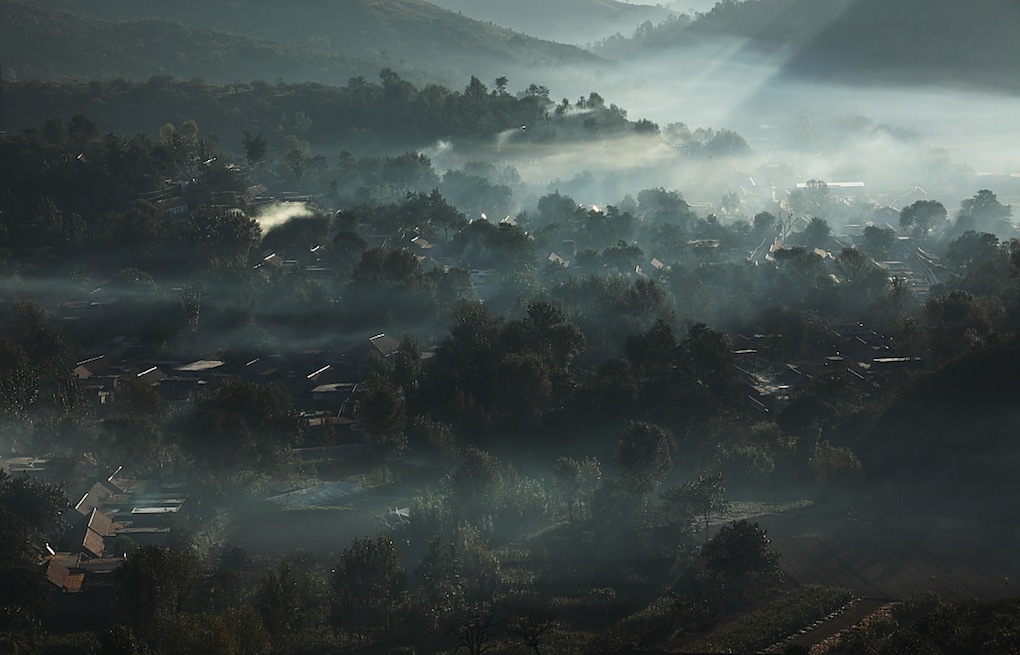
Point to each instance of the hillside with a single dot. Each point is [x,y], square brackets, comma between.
[950,442]
[919,41]
[566,21]
[398,31]
[860,41]
[45,43]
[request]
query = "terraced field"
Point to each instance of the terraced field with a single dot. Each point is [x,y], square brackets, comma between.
[816,559]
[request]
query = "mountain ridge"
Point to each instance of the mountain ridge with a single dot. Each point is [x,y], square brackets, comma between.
[407,32]
[49,43]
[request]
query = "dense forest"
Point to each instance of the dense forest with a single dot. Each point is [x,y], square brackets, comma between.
[395,365]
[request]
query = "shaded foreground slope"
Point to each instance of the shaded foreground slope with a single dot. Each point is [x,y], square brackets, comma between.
[951,443]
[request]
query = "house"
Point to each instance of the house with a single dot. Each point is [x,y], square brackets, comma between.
[174,206]
[61,577]
[380,345]
[151,376]
[559,261]
[886,216]
[95,497]
[198,368]
[89,533]
[87,368]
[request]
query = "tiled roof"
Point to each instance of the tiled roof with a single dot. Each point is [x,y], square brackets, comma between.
[74,582]
[93,543]
[57,573]
[95,497]
[100,524]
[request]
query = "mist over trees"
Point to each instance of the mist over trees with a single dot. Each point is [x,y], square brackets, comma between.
[403,364]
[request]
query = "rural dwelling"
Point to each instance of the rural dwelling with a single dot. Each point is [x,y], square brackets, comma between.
[381,345]
[174,206]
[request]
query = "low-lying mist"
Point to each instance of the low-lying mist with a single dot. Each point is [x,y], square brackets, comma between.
[893,139]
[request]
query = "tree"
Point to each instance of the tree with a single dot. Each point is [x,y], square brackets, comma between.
[241,424]
[653,354]
[813,199]
[476,483]
[383,412]
[739,560]
[702,498]
[407,365]
[136,398]
[815,233]
[218,235]
[38,505]
[705,357]
[956,322]
[643,457]
[389,285]
[531,628]
[475,632]
[971,249]
[255,148]
[278,601]
[567,478]
[368,581]
[834,465]
[30,515]
[458,571]
[878,241]
[864,283]
[765,224]
[523,388]
[983,212]
[726,143]
[19,382]
[154,583]
[923,218]
[623,258]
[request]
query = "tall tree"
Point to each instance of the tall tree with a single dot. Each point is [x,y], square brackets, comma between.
[643,457]
[924,218]
[367,584]
[740,561]
[154,583]
[983,212]
[382,411]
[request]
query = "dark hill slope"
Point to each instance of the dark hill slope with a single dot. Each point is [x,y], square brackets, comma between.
[906,42]
[952,441]
[45,43]
[394,31]
[921,41]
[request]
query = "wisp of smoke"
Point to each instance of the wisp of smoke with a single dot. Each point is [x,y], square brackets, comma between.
[279,213]
[441,155]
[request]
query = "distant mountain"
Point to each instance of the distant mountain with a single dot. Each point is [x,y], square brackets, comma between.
[410,32]
[919,41]
[566,21]
[46,43]
[871,41]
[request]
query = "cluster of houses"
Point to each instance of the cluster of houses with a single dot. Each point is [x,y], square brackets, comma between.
[769,378]
[324,384]
[111,513]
